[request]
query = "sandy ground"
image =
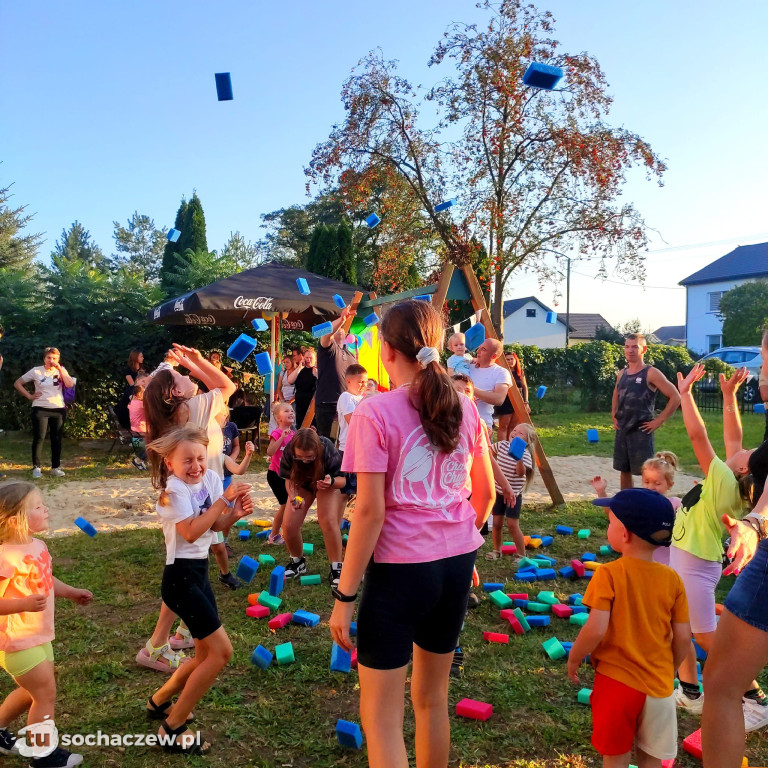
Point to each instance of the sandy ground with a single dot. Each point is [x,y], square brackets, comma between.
[114,504]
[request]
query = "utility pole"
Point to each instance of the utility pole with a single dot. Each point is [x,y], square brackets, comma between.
[568,303]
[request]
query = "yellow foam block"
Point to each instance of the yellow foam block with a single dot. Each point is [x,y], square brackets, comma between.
[262,523]
[591,566]
[535,543]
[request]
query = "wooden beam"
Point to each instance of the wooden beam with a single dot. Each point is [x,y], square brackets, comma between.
[514,395]
[370,303]
[438,297]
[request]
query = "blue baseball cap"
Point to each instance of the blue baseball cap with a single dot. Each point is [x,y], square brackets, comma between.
[647,514]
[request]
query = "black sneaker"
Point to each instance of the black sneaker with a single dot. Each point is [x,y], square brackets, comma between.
[8,744]
[230,553]
[295,568]
[229,581]
[457,665]
[334,575]
[59,758]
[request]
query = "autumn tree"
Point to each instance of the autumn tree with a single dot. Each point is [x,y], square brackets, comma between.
[538,175]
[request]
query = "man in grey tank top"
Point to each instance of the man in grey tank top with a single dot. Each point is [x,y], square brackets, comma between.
[632,409]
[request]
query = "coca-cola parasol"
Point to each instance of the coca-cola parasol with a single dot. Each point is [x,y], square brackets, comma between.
[259,292]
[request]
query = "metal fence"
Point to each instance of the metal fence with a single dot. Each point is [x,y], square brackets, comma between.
[709,397]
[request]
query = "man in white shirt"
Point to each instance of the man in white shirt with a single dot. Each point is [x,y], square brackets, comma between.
[491,381]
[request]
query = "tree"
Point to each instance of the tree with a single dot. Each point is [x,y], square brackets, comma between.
[195,269]
[17,251]
[76,245]
[346,263]
[140,246]
[608,333]
[744,310]
[241,253]
[539,173]
[190,221]
[171,249]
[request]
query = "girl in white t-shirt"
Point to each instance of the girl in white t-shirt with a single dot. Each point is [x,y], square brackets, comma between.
[192,507]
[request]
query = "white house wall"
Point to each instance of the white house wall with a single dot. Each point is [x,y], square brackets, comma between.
[700,323]
[533,330]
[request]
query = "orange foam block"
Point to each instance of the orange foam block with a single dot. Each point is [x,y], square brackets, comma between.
[527,540]
[475,710]
[495,637]
[280,620]
[257,611]
[253,599]
[692,744]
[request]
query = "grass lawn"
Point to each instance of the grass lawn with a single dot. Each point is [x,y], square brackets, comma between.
[287,715]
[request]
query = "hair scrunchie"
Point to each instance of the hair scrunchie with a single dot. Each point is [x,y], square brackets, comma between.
[427,355]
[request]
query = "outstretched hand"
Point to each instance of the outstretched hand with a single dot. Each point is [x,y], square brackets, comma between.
[684,383]
[744,541]
[730,386]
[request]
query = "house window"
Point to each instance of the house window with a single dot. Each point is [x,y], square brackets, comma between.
[714,342]
[714,301]
[530,313]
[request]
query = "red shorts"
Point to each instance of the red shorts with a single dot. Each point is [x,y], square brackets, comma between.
[623,717]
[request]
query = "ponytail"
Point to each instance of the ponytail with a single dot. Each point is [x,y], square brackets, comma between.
[415,329]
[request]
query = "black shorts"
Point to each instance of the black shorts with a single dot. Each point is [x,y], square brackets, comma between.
[407,603]
[500,508]
[350,487]
[277,484]
[187,591]
[504,409]
[631,449]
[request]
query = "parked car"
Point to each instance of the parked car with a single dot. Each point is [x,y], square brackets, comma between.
[739,357]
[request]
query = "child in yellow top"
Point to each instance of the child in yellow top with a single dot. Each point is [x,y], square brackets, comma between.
[637,635]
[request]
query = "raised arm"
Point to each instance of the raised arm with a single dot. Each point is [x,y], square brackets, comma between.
[733,435]
[327,340]
[203,369]
[694,424]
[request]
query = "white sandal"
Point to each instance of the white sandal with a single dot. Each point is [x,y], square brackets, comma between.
[163,659]
[185,642]
[494,554]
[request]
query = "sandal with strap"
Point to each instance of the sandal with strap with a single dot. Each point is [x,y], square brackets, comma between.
[186,639]
[171,743]
[494,554]
[160,711]
[162,659]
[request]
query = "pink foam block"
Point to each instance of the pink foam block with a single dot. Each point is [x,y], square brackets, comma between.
[516,625]
[692,744]
[353,661]
[495,637]
[475,710]
[578,566]
[668,763]
[280,620]
[562,611]
[508,549]
[507,614]
[518,596]
[257,611]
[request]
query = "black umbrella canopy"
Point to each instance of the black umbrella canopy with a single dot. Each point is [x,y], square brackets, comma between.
[258,292]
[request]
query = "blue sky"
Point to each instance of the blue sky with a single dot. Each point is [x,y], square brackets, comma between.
[113,110]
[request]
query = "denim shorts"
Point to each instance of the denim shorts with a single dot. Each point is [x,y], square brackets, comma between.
[748,598]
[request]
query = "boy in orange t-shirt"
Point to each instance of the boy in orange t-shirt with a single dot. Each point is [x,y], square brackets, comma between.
[637,635]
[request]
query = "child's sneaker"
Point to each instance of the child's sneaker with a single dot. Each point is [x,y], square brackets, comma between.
[8,745]
[36,473]
[755,714]
[59,472]
[275,538]
[295,567]
[139,464]
[694,706]
[59,758]
[457,665]
[229,581]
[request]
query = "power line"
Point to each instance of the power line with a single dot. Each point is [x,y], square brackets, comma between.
[632,285]
[690,246]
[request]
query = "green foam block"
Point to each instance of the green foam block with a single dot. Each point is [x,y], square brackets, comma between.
[344,538]
[584,533]
[606,549]
[520,616]
[553,648]
[284,653]
[538,607]
[273,603]
[548,598]
[266,560]
[576,618]
[242,523]
[308,549]
[500,599]
[526,561]
[540,563]
[583,696]
[308,581]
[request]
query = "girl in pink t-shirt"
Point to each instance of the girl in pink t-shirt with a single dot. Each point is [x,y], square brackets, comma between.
[27,591]
[419,451]
[284,416]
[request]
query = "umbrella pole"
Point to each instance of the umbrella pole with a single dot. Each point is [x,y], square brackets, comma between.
[272,358]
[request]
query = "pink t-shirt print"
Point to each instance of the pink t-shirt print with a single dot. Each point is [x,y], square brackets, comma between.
[428,516]
[25,569]
[274,463]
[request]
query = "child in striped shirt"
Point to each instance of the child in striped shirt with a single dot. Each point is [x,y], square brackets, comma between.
[519,474]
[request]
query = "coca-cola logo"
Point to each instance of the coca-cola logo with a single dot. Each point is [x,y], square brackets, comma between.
[257,302]
[293,325]
[199,319]
[179,305]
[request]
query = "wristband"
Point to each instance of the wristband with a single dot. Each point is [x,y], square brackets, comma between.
[759,524]
[342,598]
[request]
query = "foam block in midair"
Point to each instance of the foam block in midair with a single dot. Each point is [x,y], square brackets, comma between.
[246,569]
[551,317]
[758,408]
[372,220]
[263,363]
[423,297]
[583,696]
[339,301]
[259,324]
[492,586]
[244,535]
[584,533]
[223,86]
[444,206]
[588,557]
[241,347]
[349,734]
[543,76]
[307,548]
[173,235]
[593,436]
[323,329]
[475,336]
[303,286]
[371,320]
[85,527]
[541,391]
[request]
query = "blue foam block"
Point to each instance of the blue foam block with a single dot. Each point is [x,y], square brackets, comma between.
[263,363]
[544,574]
[259,324]
[173,235]
[551,317]
[542,76]
[475,336]
[244,535]
[525,576]
[276,580]
[589,557]
[575,599]
[323,329]
[263,534]
[580,608]
[593,436]
[303,286]
[527,567]
[550,560]
[517,448]
[493,586]
[339,301]
[564,529]
[546,541]
[247,568]
[541,391]
[372,220]
[538,621]
[241,347]
[353,629]
[423,297]
[567,572]
[701,654]
[345,525]
[371,320]
[341,660]
[223,86]
[520,603]
[305,618]
[85,527]
[758,408]
[445,205]
[261,657]
[349,734]
[588,575]
[567,647]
